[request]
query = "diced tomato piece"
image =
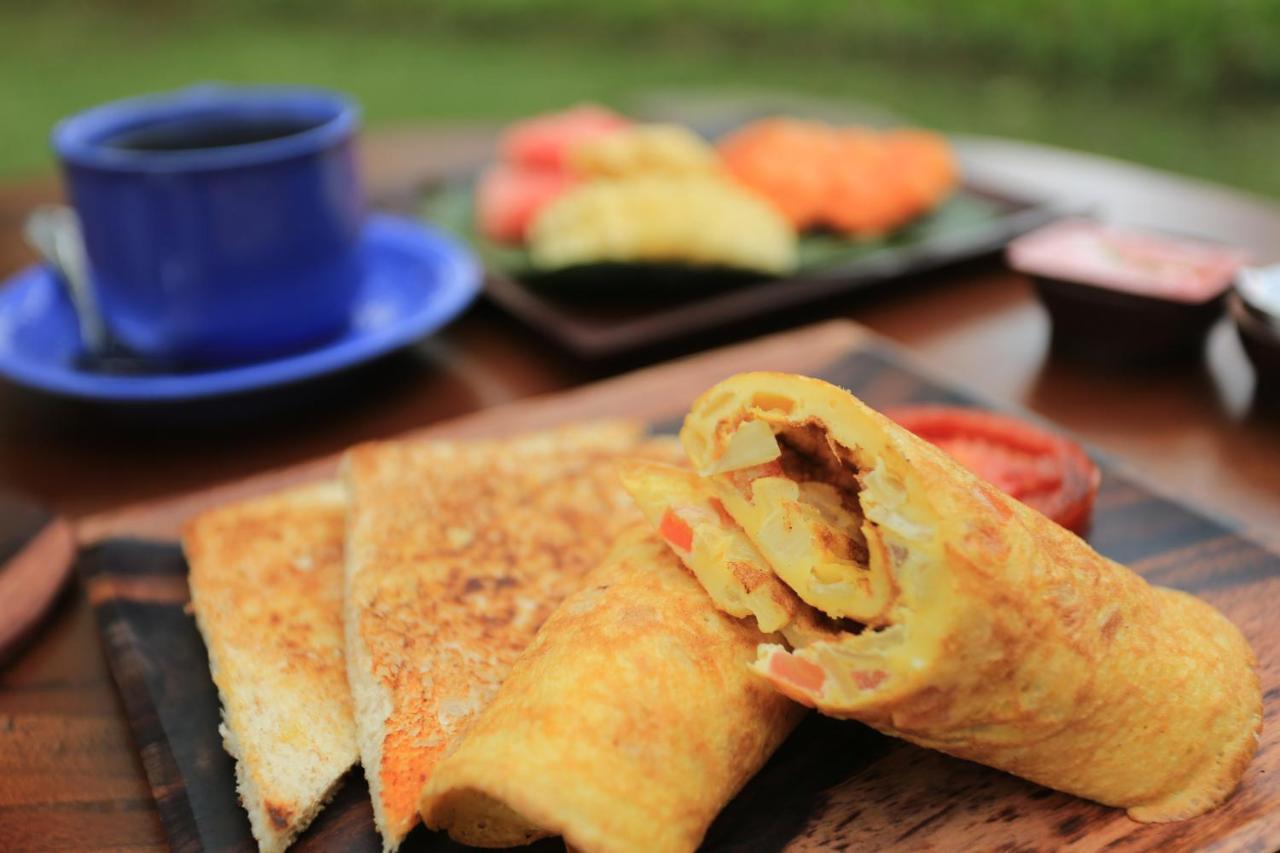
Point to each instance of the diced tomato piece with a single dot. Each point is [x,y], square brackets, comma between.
[1044,471]
[676,530]
[509,199]
[869,680]
[797,672]
[544,142]
[722,512]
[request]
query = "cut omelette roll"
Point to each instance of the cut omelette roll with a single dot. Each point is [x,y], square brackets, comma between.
[266,590]
[985,630]
[630,721]
[688,516]
[456,554]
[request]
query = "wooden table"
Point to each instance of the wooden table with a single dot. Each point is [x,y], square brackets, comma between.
[69,776]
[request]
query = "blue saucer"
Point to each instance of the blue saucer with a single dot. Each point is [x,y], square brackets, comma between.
[416,280]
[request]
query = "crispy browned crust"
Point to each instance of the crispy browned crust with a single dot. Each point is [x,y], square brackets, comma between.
[266,589]
[627,724]
[1013,643]
[457,553]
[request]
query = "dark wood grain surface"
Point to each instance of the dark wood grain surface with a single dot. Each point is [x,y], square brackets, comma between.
[69,774]
[833,785]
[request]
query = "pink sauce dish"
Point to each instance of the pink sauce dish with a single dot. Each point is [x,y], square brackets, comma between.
[1123,295]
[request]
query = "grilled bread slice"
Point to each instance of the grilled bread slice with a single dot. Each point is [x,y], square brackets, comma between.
[456,554]
[266,589]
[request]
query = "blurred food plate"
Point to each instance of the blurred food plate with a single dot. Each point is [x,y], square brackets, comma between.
[609,309]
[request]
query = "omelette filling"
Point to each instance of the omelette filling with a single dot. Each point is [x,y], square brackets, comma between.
[834,527]
[826,484]
[802,508]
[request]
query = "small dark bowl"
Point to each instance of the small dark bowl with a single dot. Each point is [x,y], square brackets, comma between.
[1102,325]
[1126,297]
[1261,343]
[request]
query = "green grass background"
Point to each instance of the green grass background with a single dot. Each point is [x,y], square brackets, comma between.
[1189,85]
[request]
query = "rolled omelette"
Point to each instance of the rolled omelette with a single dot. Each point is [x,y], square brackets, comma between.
[962,620]
[627,724]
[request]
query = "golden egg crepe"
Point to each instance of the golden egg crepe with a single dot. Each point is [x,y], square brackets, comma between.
[628,724]
[684,510]
[266,590]
[456,554]
[971,623]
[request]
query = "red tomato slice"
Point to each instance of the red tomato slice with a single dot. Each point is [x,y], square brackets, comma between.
[544,141]
[676,530]
[723,513]
[509,199]
[1044,471]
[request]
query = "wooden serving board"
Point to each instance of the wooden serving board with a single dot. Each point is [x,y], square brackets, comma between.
[834,784]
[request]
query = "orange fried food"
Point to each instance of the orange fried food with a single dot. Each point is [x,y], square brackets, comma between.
[866,196]
[857,181]
[924,162]
[785,160]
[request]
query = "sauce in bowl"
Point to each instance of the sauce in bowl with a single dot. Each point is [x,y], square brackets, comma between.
[1141,263]
[1123,296]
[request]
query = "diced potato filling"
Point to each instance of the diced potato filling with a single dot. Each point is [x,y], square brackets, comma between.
[820,526]
[835,528]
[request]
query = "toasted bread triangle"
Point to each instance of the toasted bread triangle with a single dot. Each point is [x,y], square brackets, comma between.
[266,589]
[456,554]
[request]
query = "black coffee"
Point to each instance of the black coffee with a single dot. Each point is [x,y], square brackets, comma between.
[190,136]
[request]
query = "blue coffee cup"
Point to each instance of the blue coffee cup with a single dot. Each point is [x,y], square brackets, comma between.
[220,222]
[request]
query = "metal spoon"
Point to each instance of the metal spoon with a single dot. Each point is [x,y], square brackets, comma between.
[54,231]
